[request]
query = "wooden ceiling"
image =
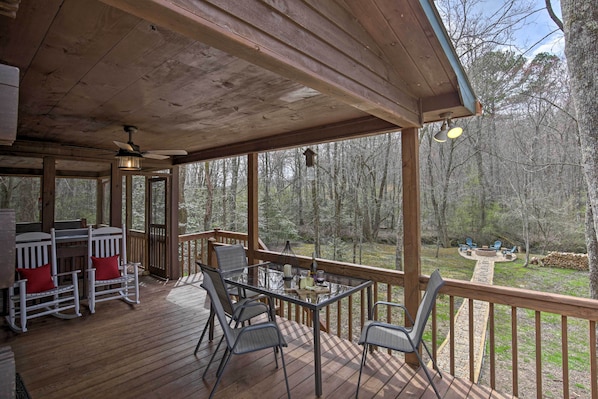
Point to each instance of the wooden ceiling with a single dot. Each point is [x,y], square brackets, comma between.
[221,78]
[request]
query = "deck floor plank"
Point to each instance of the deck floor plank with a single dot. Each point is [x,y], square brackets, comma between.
[146,351]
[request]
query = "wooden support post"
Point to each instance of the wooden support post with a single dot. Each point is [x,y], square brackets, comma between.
[411,224]
[48,194]
[129,202]
[252,208]
[173,228]
[116,196]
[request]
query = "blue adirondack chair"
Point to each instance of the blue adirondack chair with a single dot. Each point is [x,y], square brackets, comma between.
[497,245]
[470,243]
[510,251]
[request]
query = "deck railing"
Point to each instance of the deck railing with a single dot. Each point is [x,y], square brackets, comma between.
[194,247]
[521,337]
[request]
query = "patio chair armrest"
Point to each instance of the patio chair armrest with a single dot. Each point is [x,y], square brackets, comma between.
[249,302]
[385,325]
[263,326]
[399,305]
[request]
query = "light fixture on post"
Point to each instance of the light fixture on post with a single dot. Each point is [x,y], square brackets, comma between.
[449,129]
[309,162]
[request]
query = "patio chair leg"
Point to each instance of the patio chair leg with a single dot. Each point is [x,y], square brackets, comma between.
[284,369]
[433,360]
[225,359]
[211,359]
[421,362]
[362,363]
[205,329]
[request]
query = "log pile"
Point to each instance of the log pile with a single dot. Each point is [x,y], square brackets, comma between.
[566,260]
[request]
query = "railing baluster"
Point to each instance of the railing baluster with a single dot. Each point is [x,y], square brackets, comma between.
[471,341]
[338,317]
[434,332]
[538,355]
[593,365]
[452,333]
[492,347]
[514,354]
[350,318]
[565,356]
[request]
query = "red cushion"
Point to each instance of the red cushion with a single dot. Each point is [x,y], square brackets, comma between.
[38,279]
[106,268]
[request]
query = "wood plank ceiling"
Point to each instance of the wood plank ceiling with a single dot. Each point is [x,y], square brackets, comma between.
[220,78]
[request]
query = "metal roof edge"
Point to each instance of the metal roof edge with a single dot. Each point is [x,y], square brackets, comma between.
[466,91]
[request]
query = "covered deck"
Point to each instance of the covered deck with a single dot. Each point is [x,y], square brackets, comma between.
[147,352]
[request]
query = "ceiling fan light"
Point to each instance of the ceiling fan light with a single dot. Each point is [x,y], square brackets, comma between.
[129,162]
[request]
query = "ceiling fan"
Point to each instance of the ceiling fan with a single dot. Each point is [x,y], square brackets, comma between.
[130,149]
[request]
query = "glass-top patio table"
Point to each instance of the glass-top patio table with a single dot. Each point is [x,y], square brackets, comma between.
[268,279]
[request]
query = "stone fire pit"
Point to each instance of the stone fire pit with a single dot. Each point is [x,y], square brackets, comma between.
[485,252]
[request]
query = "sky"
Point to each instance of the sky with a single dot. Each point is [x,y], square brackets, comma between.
[537,27]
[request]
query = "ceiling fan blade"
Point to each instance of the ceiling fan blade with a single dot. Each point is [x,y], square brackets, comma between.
[124,146]
[167,152]
[154,156]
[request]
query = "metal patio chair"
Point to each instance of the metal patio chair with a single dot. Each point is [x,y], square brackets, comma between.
[241,340]
[239,312]
[400,338]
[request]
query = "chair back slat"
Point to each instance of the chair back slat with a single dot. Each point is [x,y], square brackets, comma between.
[107,241]
[35,249]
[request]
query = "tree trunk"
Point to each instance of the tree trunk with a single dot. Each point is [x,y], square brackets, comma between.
[581,49]
[592,245]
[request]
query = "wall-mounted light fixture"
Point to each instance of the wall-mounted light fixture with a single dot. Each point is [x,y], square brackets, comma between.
[449,129]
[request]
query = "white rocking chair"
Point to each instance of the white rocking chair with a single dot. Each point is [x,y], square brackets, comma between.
[40,290]
[108,275]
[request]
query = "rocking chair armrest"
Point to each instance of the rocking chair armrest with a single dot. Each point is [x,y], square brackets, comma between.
[72,272]
[399,305]
[20,282]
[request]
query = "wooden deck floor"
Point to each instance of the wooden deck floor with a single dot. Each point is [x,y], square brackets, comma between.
[147,352]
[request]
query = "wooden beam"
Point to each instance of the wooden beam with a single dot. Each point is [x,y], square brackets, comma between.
[252,208]
[354,128]
[48,194]
[288,39]
[411,224]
